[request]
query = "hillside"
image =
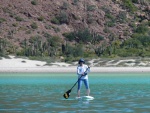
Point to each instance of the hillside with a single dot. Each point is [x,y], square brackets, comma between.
[61,28]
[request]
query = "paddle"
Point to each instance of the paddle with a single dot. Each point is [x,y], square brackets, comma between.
[67,94]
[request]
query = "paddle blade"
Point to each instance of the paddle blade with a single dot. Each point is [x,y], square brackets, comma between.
[67,94]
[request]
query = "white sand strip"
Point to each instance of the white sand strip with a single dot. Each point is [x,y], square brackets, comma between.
[73,69]
[25,65]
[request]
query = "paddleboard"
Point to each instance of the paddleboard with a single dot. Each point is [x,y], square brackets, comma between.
[85,98]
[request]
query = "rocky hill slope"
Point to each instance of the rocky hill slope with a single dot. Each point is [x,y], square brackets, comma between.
[111,19]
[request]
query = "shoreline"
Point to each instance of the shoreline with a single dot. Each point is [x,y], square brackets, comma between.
[16,65]
[72,69]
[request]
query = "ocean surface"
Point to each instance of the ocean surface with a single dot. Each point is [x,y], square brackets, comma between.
[43,93]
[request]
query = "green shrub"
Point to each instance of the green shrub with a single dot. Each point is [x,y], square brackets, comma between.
[34,2]
[89,54]
[99,50]
[41,18]
[69,50]
[15,24]
[75,2]
[110,23]
[142,2]
[108,15]
[65,5]
[47,35]
[69,59]
[56,29]
[149,23]
[135,1]
[128,4]
[142,29]
[90,20]
[2,20]
[146,54]
[61,18]
[54,41]
[97,38]
[106,9]
[70,36]
[84,36]
[48,26]
[132,52]
[132,43]
[122,16]
[132,24]
[55,21]
[34,25]
[91,8]
[78,51]
[18,18]
[28,32]
[145,40]
[106,30]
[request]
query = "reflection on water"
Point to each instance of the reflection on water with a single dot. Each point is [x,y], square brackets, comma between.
[44,93]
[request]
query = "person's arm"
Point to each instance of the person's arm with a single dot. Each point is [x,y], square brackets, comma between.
[87,70]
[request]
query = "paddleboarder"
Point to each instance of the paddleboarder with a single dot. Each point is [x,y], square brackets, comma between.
[82,70]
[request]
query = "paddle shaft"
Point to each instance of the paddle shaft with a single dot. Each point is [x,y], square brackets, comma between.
[75,83]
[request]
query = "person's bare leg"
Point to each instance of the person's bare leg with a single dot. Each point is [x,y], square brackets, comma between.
[88,92]
[78,93]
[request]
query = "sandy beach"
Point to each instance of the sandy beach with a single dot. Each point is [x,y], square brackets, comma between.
[25,65]
[73,69]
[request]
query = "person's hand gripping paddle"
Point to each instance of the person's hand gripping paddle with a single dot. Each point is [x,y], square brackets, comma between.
[67,94]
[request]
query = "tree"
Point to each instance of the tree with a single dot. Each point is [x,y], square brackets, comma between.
[142,29]
[96,38]
[100,50]
[2,45]
[116,44]
[78,51]
[84,36]
[70,36]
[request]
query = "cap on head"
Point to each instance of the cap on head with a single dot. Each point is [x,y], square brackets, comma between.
[81,60]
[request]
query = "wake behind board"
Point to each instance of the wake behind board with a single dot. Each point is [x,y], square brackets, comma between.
[85,98]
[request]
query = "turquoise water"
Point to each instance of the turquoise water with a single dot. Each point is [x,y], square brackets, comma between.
[43,93]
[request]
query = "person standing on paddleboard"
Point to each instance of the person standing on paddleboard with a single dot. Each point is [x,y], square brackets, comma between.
[82,70]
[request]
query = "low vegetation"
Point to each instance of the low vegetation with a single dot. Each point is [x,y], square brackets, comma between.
[71,35]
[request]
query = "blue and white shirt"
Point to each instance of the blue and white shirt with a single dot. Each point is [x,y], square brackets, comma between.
[81,70]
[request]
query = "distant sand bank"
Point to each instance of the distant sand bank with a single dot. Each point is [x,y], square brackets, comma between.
[25,65]
[73,69]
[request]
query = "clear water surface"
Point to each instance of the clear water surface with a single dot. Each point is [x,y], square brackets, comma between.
[43,93]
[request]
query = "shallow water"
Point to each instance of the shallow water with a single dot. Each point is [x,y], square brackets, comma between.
[43,93]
